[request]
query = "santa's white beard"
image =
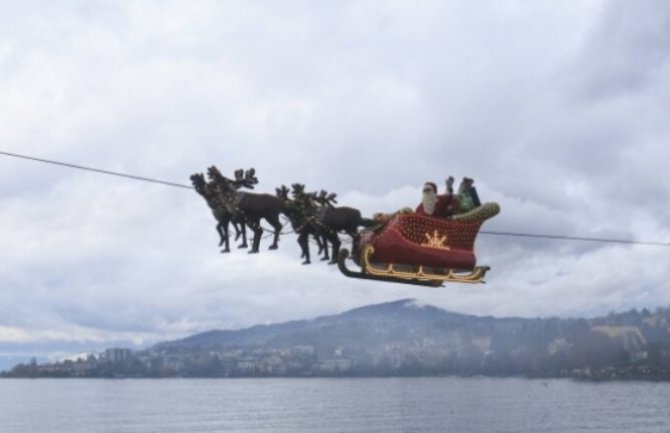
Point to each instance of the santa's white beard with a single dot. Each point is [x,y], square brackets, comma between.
[429,200]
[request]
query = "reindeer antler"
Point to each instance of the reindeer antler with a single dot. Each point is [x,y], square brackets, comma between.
[245,179]
[320,197]
[326,199]
[250,176]
[297,190]
[197,179]
[213,172]
[282,192]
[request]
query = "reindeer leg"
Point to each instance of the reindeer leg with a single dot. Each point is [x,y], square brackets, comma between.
[219,230]
[223,231]
[335,240]
[319,243]
[355,239]
[244,235]
[303,240]
[258,232]
[237,231]
[274,221]
[324,240]
[304,233]
[224,222]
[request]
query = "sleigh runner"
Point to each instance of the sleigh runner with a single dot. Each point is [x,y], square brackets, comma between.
[417,249]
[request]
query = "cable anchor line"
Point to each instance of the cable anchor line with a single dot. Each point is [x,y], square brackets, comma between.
[96,170]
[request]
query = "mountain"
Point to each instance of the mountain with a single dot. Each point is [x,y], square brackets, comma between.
[402,338]
[405,336]
[399,321]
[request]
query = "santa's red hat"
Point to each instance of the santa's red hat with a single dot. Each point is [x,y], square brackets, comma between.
[430,184]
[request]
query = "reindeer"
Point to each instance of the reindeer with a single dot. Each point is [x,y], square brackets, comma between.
[250,206]
[328,220]
[298,214]
[219,210]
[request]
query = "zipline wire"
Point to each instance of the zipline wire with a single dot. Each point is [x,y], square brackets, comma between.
[575,238]
[183,186]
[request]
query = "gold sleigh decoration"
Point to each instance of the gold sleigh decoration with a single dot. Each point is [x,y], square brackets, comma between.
[436,241]
[476,276]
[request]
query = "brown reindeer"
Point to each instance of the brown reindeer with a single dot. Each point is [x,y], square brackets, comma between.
[329,220]
[296,210]
[249,206]
[219,210]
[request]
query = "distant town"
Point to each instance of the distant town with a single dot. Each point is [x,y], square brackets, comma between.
[398,339]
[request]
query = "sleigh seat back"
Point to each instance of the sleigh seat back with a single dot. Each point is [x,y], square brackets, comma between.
[419,240]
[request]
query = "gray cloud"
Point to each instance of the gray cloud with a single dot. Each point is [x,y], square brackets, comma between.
[559,113]
[627,52]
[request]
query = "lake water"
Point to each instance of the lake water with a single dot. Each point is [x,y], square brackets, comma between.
[332,405]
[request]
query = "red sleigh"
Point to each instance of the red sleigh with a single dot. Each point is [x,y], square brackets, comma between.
[417,249]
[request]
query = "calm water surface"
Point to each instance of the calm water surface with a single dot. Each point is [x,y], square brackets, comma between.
[332,405]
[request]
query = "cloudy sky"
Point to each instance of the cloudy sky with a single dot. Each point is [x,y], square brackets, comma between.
[558,110]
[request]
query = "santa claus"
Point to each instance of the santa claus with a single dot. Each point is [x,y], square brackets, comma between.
[440,206]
